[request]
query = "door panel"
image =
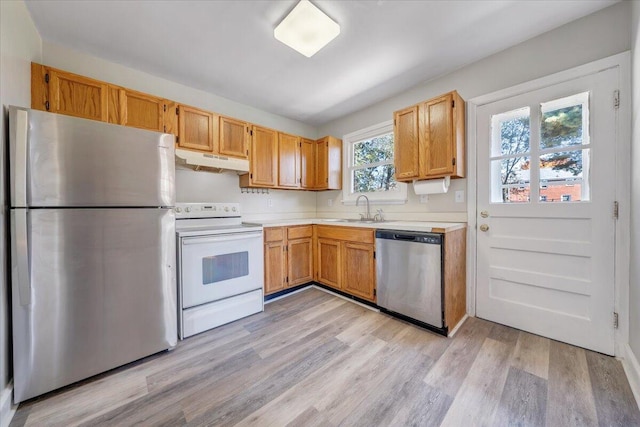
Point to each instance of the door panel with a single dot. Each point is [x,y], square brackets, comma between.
[546,162]
[102,293]
[406,143]
[300,261]
[308,164]
[264,157]
[359,270]
[274,267]
[233,138]
[438,136]
[78,96]
[329,262]
[288,161]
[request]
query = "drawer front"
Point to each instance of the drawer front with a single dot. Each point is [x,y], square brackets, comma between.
[350,234]
[273,234]
[299,232]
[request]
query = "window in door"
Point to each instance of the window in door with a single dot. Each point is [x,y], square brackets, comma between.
[562,153]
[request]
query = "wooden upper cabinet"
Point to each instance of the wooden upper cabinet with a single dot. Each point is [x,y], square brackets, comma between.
[234,136]
[406,145]
[77,96]
[136,109]
[263,163]
[288,161]
[429,139]
[198,129]
[438,135]
[170,117]
[329,163]
[307,164]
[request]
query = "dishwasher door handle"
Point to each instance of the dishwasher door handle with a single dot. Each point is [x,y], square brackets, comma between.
[403,237]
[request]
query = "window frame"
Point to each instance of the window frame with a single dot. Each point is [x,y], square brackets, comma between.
[348,143]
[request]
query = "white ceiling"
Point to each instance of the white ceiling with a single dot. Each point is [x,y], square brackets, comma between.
[228,48]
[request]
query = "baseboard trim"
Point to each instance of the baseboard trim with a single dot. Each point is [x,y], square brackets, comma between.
[7,408]
[632,369]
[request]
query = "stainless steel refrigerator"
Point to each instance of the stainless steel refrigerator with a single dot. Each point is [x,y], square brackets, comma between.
[92,247]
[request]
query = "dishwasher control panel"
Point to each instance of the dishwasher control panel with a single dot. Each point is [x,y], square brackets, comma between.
[410,236]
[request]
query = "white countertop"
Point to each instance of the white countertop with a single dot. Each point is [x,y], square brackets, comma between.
[428,226]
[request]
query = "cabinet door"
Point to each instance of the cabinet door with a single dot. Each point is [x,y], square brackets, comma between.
[233,138]
[300,261]
[197,129]
[274,267]
[307,164]
[77,96]
[439,158]
[170,118]
[329,262]
[135,109]
[406,144]
[359,277]
[329,163]
[322,164]
[263,161]
[288,161]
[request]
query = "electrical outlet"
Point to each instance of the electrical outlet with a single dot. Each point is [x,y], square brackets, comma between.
[460,196]
[329,202]
[270,203]
[424,198]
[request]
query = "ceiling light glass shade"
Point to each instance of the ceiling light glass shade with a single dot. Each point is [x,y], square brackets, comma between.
[306,29]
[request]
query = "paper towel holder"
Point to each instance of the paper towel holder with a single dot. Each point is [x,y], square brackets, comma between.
[431,186]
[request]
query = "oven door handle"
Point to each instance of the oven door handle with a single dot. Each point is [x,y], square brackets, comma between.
[221,238]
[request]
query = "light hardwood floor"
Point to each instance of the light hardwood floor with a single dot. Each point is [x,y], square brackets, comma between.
[313,359]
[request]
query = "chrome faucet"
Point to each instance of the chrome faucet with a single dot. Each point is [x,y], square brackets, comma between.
[362,217]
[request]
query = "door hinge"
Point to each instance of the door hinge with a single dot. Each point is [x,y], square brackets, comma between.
[46,105]
[247,152]
[46,78]
[453,104]
[177,111]
[251,175]
[374,254]
[615,320]
[375,292]
[394,122]
[453,161]
[177,139]
[616,98]
[164,108]
[287,279]
[251,132]
[616,209]
[164,128]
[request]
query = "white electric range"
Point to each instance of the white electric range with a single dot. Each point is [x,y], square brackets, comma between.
[220,266]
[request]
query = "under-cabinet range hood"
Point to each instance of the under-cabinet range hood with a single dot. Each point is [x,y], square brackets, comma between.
[210,162]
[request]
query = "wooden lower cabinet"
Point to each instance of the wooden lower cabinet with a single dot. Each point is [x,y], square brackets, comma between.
[274,267]
[359,270]
[345,260]
[288,257]
[328,264]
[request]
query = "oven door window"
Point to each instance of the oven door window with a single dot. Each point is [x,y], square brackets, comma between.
[219,268]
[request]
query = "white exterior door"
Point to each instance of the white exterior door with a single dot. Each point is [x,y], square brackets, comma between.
[545,205]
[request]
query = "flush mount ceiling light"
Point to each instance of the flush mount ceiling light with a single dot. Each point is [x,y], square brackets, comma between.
[306,29]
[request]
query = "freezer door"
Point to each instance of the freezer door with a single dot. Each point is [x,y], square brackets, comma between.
[93,289]
[63,161]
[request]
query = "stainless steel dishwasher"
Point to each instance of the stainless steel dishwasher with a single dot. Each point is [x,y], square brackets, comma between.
[409,276]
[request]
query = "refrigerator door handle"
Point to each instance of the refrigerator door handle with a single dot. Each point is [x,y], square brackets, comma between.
[21,143]
[22,255]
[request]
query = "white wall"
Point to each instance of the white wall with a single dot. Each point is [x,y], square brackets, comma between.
[20,44]
[596,36]
[209,187]
[634,294]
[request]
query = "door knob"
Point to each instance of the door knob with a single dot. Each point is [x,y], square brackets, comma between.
[484,227]
[484,214]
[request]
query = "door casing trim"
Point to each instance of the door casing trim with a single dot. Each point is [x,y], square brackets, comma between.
[622,180]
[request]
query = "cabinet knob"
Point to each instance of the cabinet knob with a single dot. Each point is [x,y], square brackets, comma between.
[484,227]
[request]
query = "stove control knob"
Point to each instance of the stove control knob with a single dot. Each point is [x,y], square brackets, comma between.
[178,209]
[187,209]
[226,208]
[234,209]
[215,209]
